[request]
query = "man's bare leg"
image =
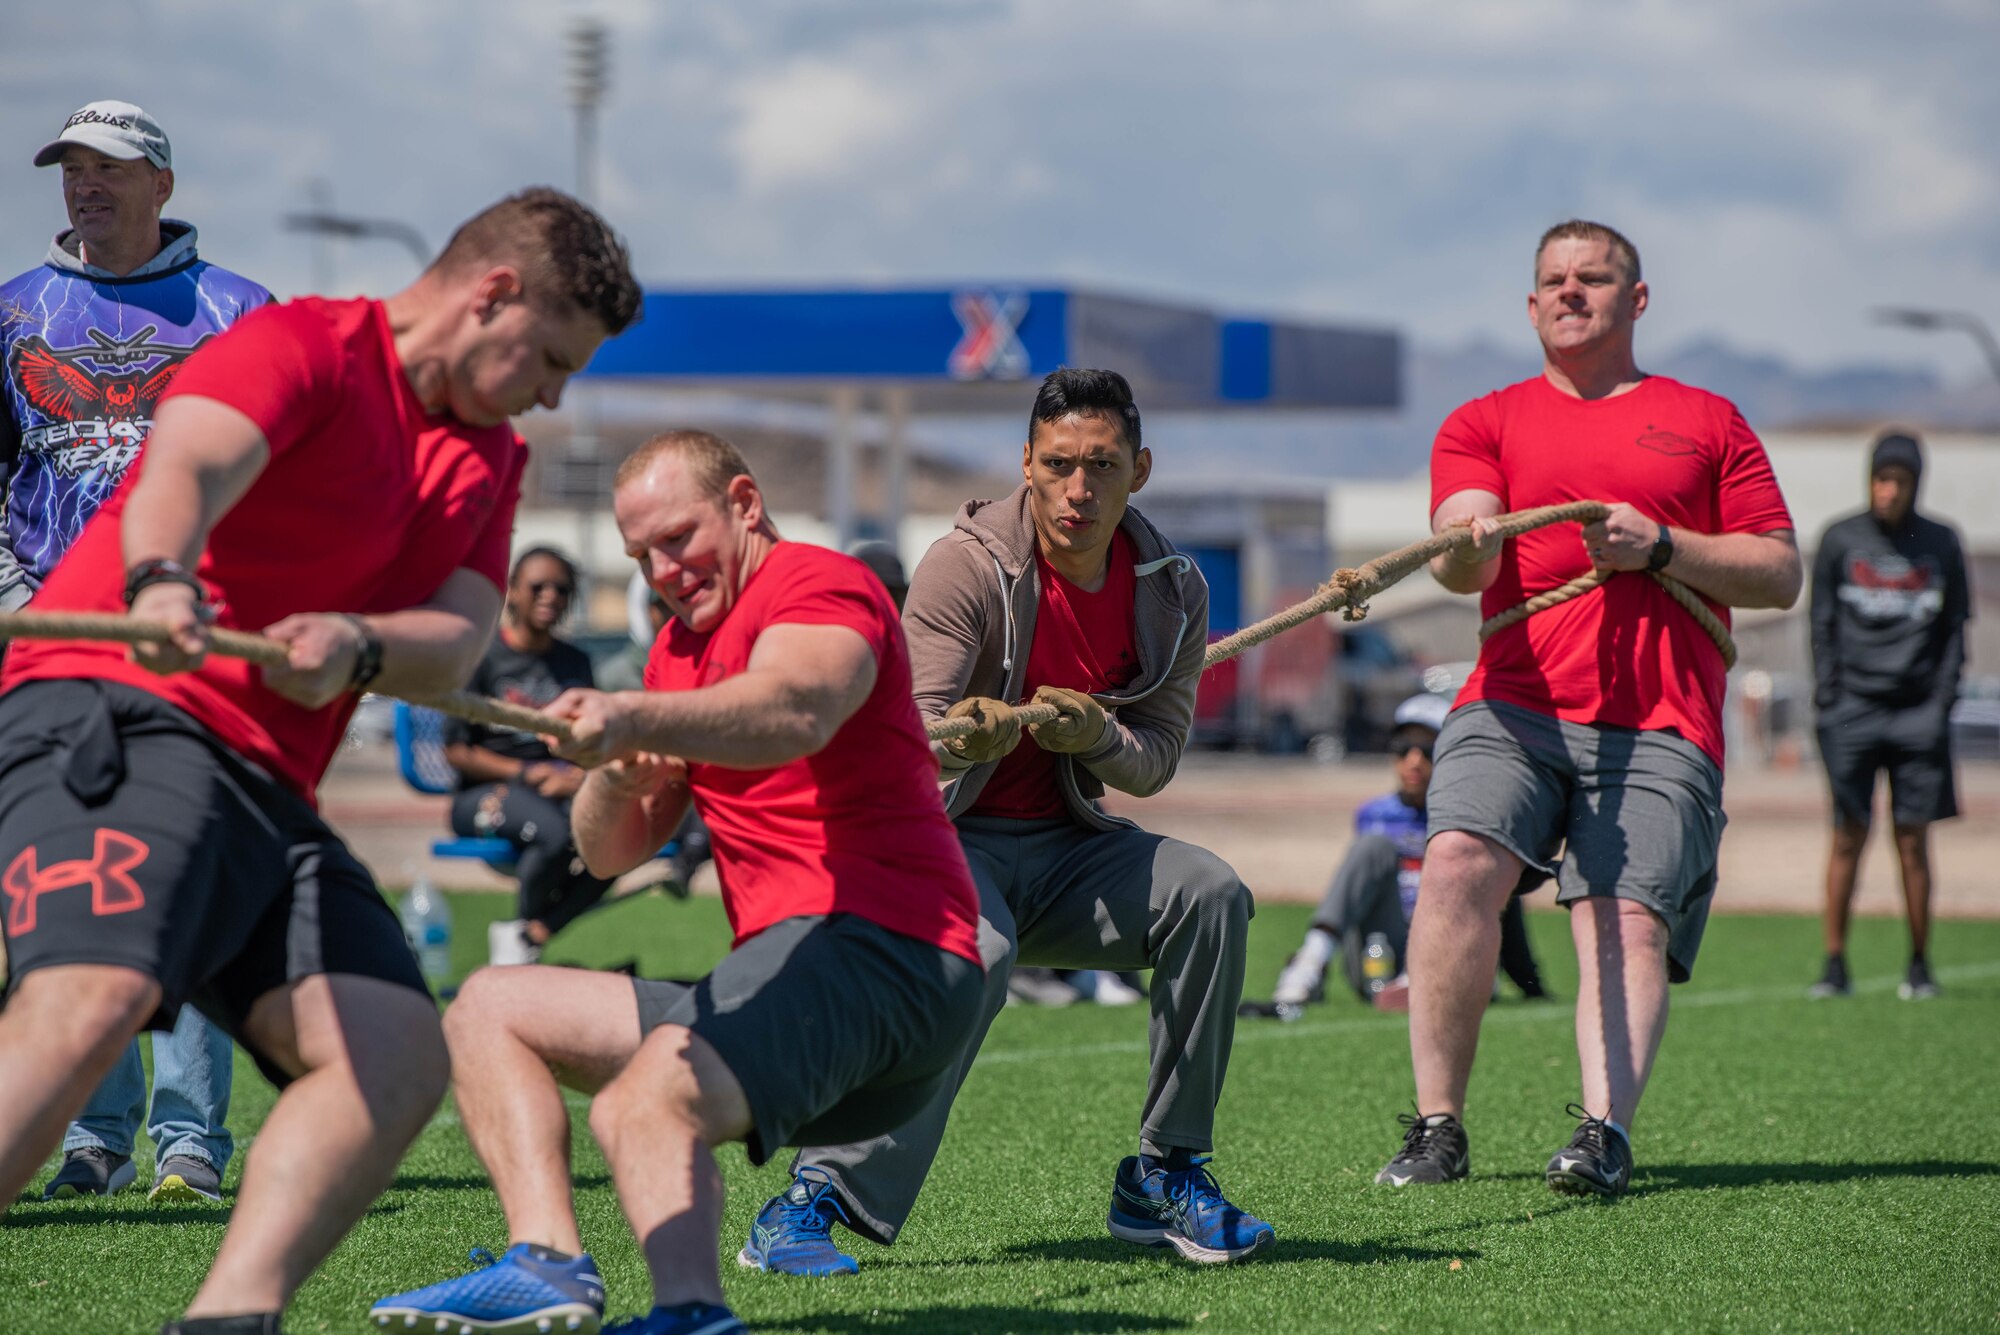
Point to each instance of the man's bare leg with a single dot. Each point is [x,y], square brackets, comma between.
[1621,1002]
[658,1123]
[374,1069]
[1843,862]
[1454,948]
[1913,851]
[60,1033]
[516,1034]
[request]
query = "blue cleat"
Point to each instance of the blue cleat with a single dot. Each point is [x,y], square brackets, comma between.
[1183,1210]
[685,1319]
[793,1234]
[519,1294]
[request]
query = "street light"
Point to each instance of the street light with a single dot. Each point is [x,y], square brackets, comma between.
[321,222]
[1907,317]
[588,68]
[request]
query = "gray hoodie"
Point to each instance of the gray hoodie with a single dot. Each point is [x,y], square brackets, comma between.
[970,619]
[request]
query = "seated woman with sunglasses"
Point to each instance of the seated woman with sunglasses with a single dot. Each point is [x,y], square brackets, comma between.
[509,785]
[1375,890]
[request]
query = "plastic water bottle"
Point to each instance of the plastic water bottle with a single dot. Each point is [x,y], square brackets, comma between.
[1378,962]
[427,926]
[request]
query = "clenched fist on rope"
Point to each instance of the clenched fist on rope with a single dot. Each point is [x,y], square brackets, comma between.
[1076,728]
[997,730]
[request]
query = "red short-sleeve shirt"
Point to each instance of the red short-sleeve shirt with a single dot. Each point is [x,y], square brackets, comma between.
[366,505]
[1626,655]
[858,827]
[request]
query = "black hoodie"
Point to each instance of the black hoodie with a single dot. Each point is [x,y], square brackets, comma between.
[1889,608]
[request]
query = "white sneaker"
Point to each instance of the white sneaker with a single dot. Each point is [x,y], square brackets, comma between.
[1112,990]
[507,943]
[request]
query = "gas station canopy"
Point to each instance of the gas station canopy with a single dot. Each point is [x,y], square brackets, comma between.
[966,349]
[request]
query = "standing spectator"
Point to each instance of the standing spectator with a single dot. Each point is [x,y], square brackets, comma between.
[510,786]
[1890,600]
[1587,744]
[91,338]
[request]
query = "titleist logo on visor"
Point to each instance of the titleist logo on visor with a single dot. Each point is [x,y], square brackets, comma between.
[89,117]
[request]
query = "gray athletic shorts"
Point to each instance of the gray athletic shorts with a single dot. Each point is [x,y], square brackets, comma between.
[1606,811]
[838,1029]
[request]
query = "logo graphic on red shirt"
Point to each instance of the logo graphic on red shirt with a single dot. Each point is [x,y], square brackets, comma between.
[108,873]
[1665,442]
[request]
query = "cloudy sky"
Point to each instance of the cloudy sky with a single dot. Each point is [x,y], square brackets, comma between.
[1783,164]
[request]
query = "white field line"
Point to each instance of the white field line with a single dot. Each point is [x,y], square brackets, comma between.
[1271,1032]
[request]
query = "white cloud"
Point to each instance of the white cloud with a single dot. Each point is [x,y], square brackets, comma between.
[813,121]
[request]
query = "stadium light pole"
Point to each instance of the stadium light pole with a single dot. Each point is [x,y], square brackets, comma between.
[589,68]
[1911,317]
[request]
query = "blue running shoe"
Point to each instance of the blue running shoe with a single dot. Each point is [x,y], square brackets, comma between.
[519,1294]
[1183,1210]
[686,1319]
[793,1234]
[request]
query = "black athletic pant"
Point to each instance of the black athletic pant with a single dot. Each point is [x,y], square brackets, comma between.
[555,886]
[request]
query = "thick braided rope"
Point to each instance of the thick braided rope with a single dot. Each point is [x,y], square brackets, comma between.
[1584,583]
[263,652]
[1347,591]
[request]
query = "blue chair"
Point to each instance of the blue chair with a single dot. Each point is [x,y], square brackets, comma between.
[420,756]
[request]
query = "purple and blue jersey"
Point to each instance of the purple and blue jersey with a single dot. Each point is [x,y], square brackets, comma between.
[1405,827]
[84,358]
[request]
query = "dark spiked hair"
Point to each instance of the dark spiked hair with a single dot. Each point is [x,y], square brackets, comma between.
[565,252]
[1078,391]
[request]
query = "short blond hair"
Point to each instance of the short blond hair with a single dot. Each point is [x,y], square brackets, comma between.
[712,462]
[1582,229]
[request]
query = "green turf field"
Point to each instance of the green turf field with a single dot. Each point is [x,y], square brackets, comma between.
[1801,1166]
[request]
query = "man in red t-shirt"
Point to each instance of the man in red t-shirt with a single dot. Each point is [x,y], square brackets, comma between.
[1064,594]
[339,475]
[779,699]
[1587,744]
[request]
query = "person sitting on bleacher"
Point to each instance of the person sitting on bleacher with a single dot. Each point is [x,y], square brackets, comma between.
[509,785]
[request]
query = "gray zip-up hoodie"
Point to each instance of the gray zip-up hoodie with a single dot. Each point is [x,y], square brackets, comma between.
[970,619]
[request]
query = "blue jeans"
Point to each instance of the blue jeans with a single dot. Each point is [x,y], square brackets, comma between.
[192,1068]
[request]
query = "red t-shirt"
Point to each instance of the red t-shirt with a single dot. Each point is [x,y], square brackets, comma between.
[366,505]
[1083,642]
[858,827]
[1627,654]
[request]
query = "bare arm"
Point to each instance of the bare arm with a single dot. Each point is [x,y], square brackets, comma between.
[1467,569]
[801,684]
[200,458]
[1734,569]
[626,810]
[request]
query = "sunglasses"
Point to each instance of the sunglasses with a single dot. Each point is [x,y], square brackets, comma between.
[560,590]
[1421,748]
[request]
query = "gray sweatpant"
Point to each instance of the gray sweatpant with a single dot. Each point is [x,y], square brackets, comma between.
[1364,899]
[1059,894]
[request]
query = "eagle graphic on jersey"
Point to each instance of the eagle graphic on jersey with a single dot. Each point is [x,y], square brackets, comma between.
[57,387]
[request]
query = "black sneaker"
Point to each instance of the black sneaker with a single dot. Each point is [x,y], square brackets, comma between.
[1596,1162]
[185,1179]
[1269,1010]
[90,1170]
[1917,984]
[1434,1150]
[1833,982]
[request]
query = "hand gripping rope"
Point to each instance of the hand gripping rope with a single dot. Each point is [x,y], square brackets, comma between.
[263,652]
[1347,591]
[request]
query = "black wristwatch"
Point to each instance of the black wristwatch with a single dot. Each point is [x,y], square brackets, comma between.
[368,661]
[1663,551]
[159,570]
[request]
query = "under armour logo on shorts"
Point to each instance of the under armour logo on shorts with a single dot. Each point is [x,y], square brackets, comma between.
[107,872]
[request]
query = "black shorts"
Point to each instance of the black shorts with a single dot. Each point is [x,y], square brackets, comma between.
[130,836]
[837,1029]
[1859,738]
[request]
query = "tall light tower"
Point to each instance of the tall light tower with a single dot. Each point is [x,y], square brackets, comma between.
[588,68]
